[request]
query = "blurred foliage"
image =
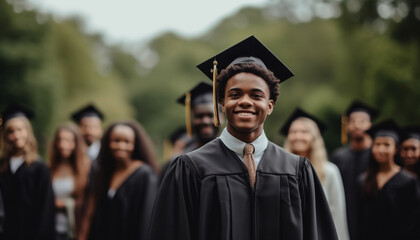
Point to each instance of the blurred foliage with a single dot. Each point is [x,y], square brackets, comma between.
[55,67]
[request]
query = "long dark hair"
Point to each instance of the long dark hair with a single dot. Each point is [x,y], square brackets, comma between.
[78,159]
[105,165]
[370,185]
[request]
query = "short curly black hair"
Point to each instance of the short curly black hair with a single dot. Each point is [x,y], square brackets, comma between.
[230,71]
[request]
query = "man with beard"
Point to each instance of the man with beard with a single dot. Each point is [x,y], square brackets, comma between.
[199,103]
[200,100]
[352,158]
[89,119]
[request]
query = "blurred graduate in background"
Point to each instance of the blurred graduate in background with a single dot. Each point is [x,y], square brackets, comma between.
[410,150]
[389,195]
[25,181]
[352,158]
[70,167]
[199,118]
[304,138]
[125,181]
[89,119]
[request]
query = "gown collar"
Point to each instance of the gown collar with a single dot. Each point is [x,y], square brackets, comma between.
[237,145]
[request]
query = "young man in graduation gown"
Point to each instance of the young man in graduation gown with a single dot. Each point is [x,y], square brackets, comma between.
[199,115]
[242,186]
[199,118]
[89,119]
[352,159]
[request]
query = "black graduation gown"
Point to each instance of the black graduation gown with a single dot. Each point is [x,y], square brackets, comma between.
[127,214]
[28,202]
[351,164]
[190,146]
[206,194]
[390,214]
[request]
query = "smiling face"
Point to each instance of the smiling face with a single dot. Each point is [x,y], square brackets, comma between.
[66,143]
[16,133]
[300,138]
[203,122]
[359,122]
[91,128]
[121,142]
[384,149]
[246,104]
[410,151]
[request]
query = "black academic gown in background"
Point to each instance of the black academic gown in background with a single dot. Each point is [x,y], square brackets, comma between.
[206,194]
[351,164]
[28,203]
[127,214]
[390,214]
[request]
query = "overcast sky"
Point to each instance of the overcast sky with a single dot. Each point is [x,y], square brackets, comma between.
[133,20]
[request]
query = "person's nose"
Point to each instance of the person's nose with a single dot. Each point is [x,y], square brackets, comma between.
[245,101]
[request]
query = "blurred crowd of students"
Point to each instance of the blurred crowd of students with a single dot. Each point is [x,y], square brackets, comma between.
[102,185]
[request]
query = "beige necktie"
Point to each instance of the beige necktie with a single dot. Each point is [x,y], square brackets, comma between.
[250,162]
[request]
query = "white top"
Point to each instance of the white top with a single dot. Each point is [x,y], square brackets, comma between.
[15,163]
[334,191]
[237,146]
[93,150]
[63,186]
[111,193]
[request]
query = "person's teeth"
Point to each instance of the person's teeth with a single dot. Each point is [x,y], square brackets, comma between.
[245,114]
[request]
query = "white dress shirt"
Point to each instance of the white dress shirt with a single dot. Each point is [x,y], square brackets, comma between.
[237,146]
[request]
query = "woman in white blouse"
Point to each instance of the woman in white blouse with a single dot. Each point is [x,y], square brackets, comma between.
[304,138]
[69,165]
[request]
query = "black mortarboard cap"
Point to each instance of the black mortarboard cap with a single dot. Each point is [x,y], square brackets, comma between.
[358,106]
[199,94]
[298,113]
[250,50]
[87,111]
[408,132]
[16,110]
[385,128]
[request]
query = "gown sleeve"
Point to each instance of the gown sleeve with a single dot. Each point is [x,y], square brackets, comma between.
[44,204]
[145,197]
[317,219]
[175,214]
[337,203]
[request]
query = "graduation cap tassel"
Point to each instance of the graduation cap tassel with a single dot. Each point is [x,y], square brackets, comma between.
[1,132]
[215,108]
[344,139]
[167,149]
[188,114]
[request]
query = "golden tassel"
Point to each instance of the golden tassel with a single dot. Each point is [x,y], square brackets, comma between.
[167,150]
[344,121]
[215,108]
[1,133]
[188,114]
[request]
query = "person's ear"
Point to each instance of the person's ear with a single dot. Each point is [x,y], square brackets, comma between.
[270,106]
